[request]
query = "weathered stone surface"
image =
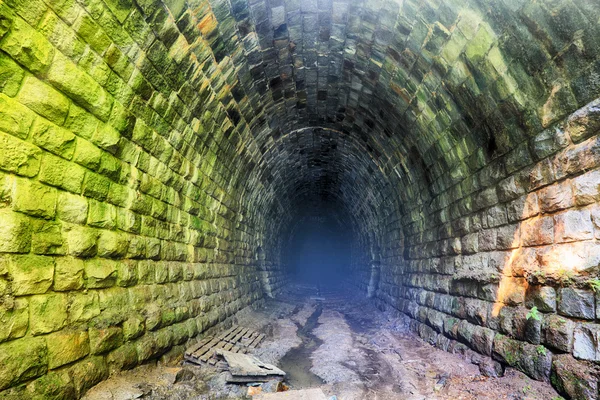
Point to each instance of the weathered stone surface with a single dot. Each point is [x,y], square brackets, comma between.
[574,379]
[83,306]
[87,373]
[576,303]
[14,317]
[31,274]
[67,346]
[44,100]
[68,274]
[542,297]
[586,343]
[526,357]
[15,232]
[557,332]
[48,313]
[103,340]
[72,208]
[34,199]
[22,360]
[28,47]
[100,273]
[573,225]
[19,157]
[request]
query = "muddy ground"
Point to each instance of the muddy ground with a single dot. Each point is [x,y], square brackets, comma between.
[332,341]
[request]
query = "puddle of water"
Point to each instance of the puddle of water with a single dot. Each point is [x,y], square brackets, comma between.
[297,363]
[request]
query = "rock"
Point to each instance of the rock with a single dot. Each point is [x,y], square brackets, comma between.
[30,274]
[48,313]
[535,361]
[542,297]
[67,346]
[574,379]
[87,373]
[21,360]
[105,339]
[14,319]
[586,342]
[576,303]
[557,332]
[491,368]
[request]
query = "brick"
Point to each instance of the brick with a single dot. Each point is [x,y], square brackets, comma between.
[34,199]
[15,118]
[48,313]
[573,225]
[19,157]
[28,47]
[44,100]
[53,138]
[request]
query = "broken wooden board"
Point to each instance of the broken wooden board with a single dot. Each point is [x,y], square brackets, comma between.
[246,368]
[236,339]
[304,394]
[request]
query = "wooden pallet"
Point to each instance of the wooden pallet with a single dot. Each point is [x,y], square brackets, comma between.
[236,339]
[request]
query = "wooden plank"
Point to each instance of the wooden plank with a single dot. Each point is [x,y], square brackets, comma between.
[227,332]
[206,348]
[192,349]
[235,349]
[256,341]
[228,346]
[233,334]
[239,335]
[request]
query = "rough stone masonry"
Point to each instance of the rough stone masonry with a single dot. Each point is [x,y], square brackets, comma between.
[154,154]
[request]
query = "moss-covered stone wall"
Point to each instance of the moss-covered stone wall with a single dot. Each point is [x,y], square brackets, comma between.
[155,154]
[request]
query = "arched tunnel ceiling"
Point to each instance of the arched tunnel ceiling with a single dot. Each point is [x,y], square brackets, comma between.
[431,90]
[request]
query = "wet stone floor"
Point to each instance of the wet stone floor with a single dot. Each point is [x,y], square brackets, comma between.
[341,344]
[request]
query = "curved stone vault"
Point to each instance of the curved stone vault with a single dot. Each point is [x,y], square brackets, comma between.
[156,154]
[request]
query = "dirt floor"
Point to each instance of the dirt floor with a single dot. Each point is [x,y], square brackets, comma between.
[340,344]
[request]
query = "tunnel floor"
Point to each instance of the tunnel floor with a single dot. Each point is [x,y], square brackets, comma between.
[329,339]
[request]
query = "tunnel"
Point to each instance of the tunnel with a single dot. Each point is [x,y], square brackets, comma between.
[166,165]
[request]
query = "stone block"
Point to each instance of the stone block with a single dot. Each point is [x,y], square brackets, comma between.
[537,231]
[100,273]
[21,360]
[557,332]
[576,303]
[81,241]
[527,358]
[95,186]
[19,157]
[133,327]
[107,138]
[87,154]
[72,208]
[47,238]
[47,313]
[15,232]
[53,385]
[556,197]
[30,274]
[34,199]
[11,76]
[574,379]
[14,317]
[102,215]
[127,273]
[112,244]
[573,225]
[44,100]
[123,358]
[542,297]
[584,122]
[586,188]
[83,306]
[28,47]
[58,172]
[586,342]
[80,87]
[67,346]
[103,340]
[68,274]
[15,118]
[88,373]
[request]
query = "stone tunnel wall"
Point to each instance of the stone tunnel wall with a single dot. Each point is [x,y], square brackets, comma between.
[121,233]
[521,233]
